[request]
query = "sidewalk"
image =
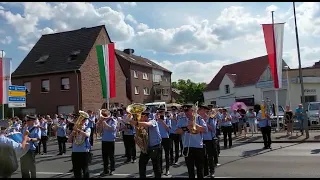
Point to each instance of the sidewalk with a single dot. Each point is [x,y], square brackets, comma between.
[280,137]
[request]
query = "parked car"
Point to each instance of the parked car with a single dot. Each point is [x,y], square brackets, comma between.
[281,119]
[313,112]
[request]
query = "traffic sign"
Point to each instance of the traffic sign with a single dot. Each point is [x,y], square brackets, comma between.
[17,96]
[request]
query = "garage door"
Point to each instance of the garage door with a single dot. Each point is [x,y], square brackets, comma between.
[65,109]
[282,94]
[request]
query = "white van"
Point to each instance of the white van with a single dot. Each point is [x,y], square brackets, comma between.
[155,105]
[313,112]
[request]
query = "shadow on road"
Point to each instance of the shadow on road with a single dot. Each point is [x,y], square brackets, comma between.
[315,151]
[257,152]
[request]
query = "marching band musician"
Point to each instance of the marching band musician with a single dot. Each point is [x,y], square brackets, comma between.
[129,143]
[154,145]
[216,138]
[164,127]
[61,130]
[81,152]
[192,143]
[91,124]
[28,162]
[226,127]
[108,126]
[15,125]
[208,141]
[7,141]
[44,136]
[174,137]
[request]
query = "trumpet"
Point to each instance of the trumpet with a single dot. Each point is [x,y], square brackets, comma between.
[194,128]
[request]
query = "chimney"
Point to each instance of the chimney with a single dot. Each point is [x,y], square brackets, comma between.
[128,51]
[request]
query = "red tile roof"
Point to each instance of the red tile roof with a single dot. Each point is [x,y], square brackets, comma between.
[246,72]
[233,77]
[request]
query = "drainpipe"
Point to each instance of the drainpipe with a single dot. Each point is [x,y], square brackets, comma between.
[78,89]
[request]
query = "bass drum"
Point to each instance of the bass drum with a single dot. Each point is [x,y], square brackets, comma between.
[18,137]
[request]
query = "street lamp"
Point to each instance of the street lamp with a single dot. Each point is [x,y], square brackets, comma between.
[288,85]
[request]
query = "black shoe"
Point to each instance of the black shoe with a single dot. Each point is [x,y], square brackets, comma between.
[71,170]
[133,161]
[59,154]
[111,173]
[167,173]
[127,161]
[211,175]
[104,173]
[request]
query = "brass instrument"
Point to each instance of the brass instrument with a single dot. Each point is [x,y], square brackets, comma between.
[227,117]
[77,138]
[194,128]
[141,137]
[266,109]
[213,114]
[103,113]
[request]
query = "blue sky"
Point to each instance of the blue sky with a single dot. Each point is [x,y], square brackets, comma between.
[194,40]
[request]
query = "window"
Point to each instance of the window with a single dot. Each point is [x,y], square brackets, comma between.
[136,90]
[65,84]
[28,87]
[227,89]
[146,91]
[165,92]
[310,98]
[145,76]
[45,85]
[74,55]
[42,59]
[135,74]
[156,78]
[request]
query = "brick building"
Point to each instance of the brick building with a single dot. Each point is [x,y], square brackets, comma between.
[61,74]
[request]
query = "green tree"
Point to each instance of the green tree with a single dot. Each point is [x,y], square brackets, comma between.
[191,92]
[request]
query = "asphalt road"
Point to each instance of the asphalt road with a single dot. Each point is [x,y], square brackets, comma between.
[290,160]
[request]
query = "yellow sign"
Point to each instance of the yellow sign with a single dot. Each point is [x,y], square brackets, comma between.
[17,93]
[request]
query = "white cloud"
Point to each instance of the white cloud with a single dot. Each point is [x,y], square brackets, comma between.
[193,70]
[142,27]
[6,40]
[271,8]
[130,3]
[130,18]
[27,47]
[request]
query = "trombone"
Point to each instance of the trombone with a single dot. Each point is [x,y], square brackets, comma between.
[193,130]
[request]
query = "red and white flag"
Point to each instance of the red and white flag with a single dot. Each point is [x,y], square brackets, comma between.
[273,36]
[5,77]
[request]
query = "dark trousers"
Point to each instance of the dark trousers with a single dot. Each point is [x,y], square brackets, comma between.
[130,147]
[28,165]
[43,142]
[153,153]
[227,135]
[266,134]
[208,157]
[93,129]
[181,144]
[166,146]
[62,144]
[108,155]
[216,150]
[218,133]
[195,158]
[235,127]
[80,163]
[175,140]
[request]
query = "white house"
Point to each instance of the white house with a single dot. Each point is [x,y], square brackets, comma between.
[237,82]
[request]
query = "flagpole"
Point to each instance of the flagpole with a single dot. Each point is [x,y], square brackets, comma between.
[276,109]
[108,99]
[2,52]
[303,101]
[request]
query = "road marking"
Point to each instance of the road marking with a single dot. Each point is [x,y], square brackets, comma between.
[133,175]
[52,155]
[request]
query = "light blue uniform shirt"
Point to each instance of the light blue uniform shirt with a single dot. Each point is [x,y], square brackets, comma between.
[110,135]
[129,130]
[224,123]
[163,131]
[62,130]
[44,132]
[251,120]
[35,133]
[263,122]
[196,140]
[209,135]
[84,147]
[16,146]
[91,121]
[154,133]
[173,126]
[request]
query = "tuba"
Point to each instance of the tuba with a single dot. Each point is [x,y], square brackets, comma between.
[141,137]
[77,138]
[266,108]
